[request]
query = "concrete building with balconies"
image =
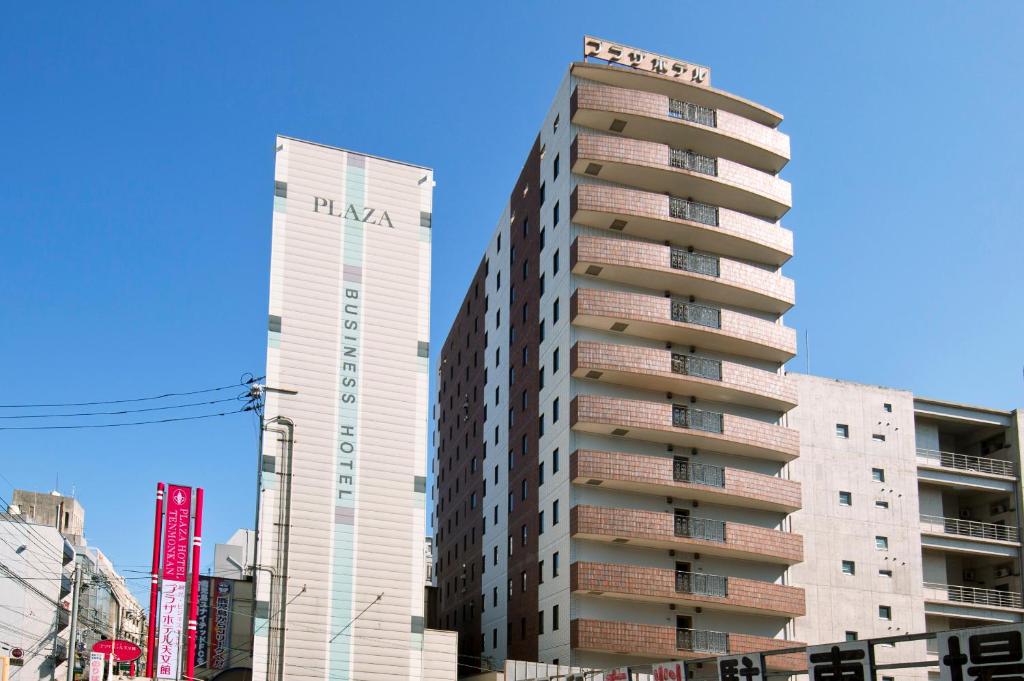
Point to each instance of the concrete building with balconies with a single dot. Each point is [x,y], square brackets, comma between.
[613,452]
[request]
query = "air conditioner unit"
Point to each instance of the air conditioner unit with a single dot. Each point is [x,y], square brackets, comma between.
[969,576]
[1003,572]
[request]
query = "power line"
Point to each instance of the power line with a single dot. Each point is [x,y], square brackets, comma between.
[245,381]
[123,411]
[131,423]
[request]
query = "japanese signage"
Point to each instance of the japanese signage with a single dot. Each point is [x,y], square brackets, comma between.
[617,53]
[202,621]
[617,674]
[847,661]
[669,671]
[983,654]
[173,593]
[122,650]
[96,666]
[741,667]
[220,624]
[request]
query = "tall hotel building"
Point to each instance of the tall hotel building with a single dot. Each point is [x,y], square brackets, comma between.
[341,512]
[613,448]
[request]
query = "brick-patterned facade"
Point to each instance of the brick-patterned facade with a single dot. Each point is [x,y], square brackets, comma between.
[655,473]
[632,582]
[650,528]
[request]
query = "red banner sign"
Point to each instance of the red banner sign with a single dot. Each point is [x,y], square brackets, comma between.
[172,594]
[179,517]
[124,651]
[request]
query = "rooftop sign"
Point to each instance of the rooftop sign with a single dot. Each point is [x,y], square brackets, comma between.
[616,53]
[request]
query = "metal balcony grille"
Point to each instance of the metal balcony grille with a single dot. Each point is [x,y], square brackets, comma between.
[694,313]
[681,259]
[693,113]
[702,367]
[970,594]
[696,419]
[698,473]
[970,528]
[965,462]
[700,584]
[682,209]
[700,528]
[691,160]
[702,641]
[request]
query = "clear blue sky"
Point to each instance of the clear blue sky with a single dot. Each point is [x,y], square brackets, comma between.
[138,176]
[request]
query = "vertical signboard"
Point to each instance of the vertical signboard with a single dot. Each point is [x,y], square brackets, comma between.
[847,661]
[96,666]
[173,592]
[203,622]
[220,624]
[982,653]
[669,671]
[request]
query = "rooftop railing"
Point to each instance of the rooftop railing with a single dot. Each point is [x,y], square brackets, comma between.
[691,160]
[696,419]
[695,313]
[698,473]
[684,209]
[700,528]
[973,595]
[702,641]
[681,259]
[694,113]
[700,584]
[701,367]
[969,528]
[965,462]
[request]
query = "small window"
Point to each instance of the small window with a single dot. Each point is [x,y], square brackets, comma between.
[845,499]
[540,474]
[878,474]
[881,504]
[554,512]
[554,215]
[842,430]
[849,567]
[882,543]
[885,612]
[540,622]
[554,126]
[554,411]
[885,573]
[851,636]
[554,461]
[878,438]
[554,168]
[888,408]
[554,263]
[542,284]
[554,564]
[554,312]
[540,522]
[554,618]
[554,361]
[542,192]
[540,572]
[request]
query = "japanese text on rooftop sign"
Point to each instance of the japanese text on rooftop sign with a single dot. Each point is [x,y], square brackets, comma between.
[616,53]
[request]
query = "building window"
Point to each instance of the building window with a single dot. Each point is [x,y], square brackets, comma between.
[522,581]
[845,499]
[540,334]
[554,411]
[522,537]
[540,572]
[888,408]
[878,437]
[542,197]
[554,461]
[878,474]
[494,597]
[842,430]
[881,504]
[554,125]
[510,589]
[540,474]
[540,622]
[522,490]
[472,500]
[885,573]
[851,636]
[554,215]
[540,379]
[497,319]
[494,638]
[526,267]
[511,502]
[510,545]
[554,512]
[494,560]
[882,543]
[885,612]
[499,242]
[554,167]
[497,280]
[554,263]
[540,522]
[554,564]
[554,312]
[542,284]
[849,567]
[554,617]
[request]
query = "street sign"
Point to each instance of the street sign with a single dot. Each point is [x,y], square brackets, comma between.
[847,661]
[981,653]
[741,667]
[95,666]
[124,651]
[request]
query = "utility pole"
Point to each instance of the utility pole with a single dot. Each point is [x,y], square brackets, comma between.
[73,632]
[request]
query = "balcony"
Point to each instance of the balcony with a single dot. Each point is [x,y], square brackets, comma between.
[682,322]
[684,426]
[714,592]
[969,536]
[665,218]
[659,168]
[966,602]
[63,619]
[659,642]
[673,477]
[962,471]
[665,268]
[660,118]
[651,529]
[685,374]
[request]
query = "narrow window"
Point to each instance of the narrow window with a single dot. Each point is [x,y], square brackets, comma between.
[554,167]
[554,215]
[888,408]
[540,622]
[851,636]
[554,564]
[885,612]
[885,573]
[878,474]
[882,543]
[878,437]
[554,312]
[554,411]
[554,361]
[554,512]
[554,461]
[849,567]
[554,617]
[881,504]
[554,263]
[540,522]
[842,430]
[845,499]
[540,474]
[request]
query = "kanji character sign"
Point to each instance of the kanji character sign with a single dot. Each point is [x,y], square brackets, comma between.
[982,654]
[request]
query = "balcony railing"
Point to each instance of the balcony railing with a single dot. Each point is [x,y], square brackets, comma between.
[701,367]
[681,259]
[700,528]
[698,473]
[682,209]
[700,584]
[691,160]
[696,419]
[970,528]
[694,313]
[702,641]
[694,113]
[965,462]
[970,594]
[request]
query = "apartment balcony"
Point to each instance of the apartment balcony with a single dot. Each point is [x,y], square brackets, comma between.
[680,321]
[674,477]
[660,168]
[652,529]
[713,592]
[962,471]
[682,374]
[659,642]
[677,122]
[685,426]
[967,602]
[969,536]
[63,619]
[66,586]
[682,271]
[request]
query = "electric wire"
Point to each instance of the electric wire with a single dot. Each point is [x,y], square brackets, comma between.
[131,423]
[123,411]
[245,381]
